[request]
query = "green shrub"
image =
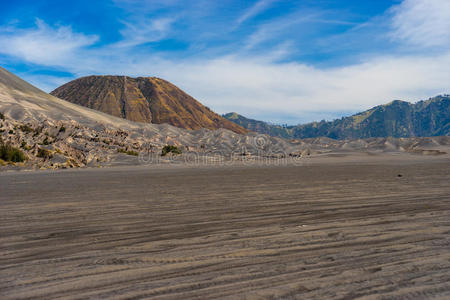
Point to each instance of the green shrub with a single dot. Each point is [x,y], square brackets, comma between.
[11,154]
[62,129]
[130,152]
[26,128]
[134,153]
[170,149]
[11,131]
[45,142]
[2,116]
[44,153]
[25,146]
[37,131]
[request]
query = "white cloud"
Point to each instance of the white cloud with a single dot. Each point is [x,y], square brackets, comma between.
[253,11]
[45,82]
[145,31]
[44,44]
[423,23]
[296,26]
[255,88]
[274,29]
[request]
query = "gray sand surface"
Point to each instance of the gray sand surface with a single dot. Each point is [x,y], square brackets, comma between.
[331,228]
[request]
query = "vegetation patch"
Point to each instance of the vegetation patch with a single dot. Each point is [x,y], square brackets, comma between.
[37,131]
[129,152]
[26,128]
[62,129]
[2,116]
[44,153]
[170,149]
[70,163]
[46,141]
[11,154]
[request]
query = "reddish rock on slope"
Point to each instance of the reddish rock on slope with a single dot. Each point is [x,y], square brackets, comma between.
[143,99]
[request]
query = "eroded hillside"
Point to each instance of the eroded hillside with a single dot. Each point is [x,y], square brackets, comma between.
[143,99]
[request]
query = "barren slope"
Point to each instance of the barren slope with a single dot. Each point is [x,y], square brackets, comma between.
[143,99]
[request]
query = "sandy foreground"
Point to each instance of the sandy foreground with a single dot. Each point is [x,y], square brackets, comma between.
[374,228]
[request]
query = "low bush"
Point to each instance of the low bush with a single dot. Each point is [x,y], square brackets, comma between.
[170,149]
[11,154]
[26,128]
[37,131]
[129,152]
[45,142]
[2,116]
[44,153]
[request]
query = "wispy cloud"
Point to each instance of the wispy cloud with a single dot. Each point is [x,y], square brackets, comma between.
[422,23]
[296,26]
[275,28]
[46,82]
[44,44]
[254,10]
[145,31]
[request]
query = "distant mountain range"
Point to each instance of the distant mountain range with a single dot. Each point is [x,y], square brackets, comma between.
[395,119]
[143,99]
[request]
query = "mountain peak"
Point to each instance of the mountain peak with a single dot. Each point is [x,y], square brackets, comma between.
[143,99]
[397,102]
[232,116]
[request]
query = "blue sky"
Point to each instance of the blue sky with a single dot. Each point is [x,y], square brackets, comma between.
[276,60]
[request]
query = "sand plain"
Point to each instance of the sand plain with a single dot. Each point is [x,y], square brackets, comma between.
[336,228]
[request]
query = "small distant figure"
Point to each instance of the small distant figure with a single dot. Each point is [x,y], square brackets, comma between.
[399,175]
